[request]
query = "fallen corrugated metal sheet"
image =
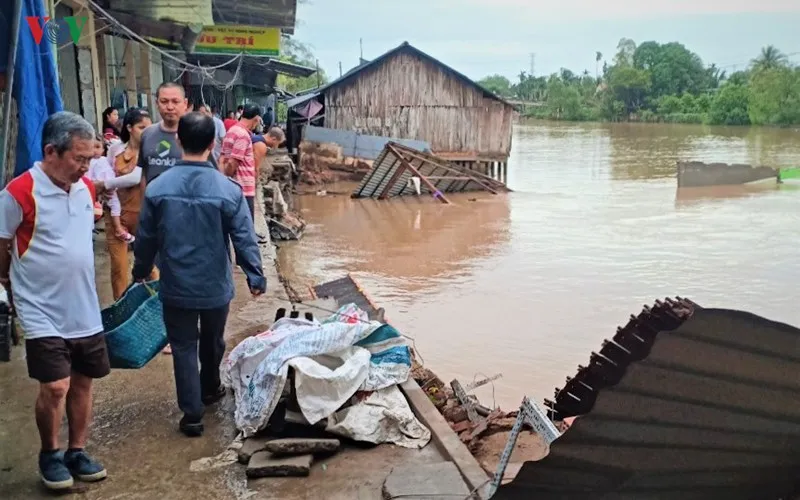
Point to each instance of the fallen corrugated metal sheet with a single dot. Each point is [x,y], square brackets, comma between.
[345,291]
[390,175]
[684,403]
[357,145]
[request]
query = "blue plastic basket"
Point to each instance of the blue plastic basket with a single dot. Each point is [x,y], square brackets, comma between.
[134,327]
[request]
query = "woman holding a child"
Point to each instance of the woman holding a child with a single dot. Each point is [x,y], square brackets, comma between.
[129,185]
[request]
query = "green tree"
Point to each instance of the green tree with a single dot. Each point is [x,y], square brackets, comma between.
[668,104]
[628,85]
[770,58]
[665,82]
[296,52]
[729,106]
[625,50]
[775,96]
[497,84]
[598,56]
[564,101]
[674,69]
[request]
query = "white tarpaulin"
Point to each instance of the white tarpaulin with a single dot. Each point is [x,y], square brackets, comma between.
[333,360]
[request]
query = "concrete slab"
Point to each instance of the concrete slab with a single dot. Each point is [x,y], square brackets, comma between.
[445,439]
[250,446]
[425,482]
[265,464]
[301,446]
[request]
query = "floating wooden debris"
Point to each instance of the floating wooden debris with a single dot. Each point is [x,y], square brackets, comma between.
[396,168]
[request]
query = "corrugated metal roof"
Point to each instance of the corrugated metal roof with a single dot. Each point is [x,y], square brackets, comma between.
[184,12]
[300,99]
[268,13]
[682,403]
[390,176]
[345,291]
[405,46]
[252,65]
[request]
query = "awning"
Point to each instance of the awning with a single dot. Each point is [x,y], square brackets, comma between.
[257,72]
[176,34]
[272,13]
[183,12]
[301,99]
[254,63]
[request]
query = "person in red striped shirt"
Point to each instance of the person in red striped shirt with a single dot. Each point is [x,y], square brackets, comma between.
[237,159]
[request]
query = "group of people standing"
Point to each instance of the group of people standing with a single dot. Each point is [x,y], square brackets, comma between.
[186,191]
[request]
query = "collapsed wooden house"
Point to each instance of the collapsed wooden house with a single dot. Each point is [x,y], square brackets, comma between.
[407,94]
[400,170]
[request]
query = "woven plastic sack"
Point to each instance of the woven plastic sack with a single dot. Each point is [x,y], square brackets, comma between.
[134,327]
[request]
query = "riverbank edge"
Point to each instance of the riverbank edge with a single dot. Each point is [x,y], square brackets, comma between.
[442,435]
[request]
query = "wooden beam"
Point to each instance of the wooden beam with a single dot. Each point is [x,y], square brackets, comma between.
[449,178]
[422,178]
[444,165]
[392,181]
[146,83]
[130,75]
[104,96]
[88,67]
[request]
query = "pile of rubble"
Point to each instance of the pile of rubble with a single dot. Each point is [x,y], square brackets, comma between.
[276,176]
[483,430]
[324,163]
[267,456]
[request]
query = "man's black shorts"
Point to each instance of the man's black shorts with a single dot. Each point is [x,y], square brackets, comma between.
[55,358]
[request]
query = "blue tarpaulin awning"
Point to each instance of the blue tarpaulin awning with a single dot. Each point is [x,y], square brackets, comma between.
[35,82]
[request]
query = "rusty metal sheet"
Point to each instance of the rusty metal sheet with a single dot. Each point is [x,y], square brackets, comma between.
[344,291]
[389,176]
[682,403]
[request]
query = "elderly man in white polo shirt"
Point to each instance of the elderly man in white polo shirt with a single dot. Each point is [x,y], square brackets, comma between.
[46,221]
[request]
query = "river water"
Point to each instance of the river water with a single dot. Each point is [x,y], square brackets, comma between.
[528,284]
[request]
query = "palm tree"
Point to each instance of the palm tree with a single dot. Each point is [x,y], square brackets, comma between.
[598,56]
[770,58]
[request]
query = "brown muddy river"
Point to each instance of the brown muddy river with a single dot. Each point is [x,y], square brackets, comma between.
[528,284]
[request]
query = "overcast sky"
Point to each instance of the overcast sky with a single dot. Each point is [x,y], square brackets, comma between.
[480,38]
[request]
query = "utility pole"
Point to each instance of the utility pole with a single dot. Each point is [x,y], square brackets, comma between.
[361,50]
[533,64]
[340,69]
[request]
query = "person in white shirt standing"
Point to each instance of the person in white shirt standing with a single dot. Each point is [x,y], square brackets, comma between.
[46,222]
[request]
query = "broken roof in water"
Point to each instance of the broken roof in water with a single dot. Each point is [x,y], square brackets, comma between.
[683,403]
[398,164]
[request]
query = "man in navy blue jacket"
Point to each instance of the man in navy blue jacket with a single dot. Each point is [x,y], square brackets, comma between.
[189,214]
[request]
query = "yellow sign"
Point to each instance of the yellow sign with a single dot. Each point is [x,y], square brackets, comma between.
[251,40]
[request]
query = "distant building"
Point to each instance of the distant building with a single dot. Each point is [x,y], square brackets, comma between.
[407,94]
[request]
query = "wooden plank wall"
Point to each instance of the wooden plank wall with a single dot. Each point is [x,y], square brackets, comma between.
[411,98]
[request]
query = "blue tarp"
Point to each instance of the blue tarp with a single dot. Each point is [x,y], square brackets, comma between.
[367,147]
[36,87]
